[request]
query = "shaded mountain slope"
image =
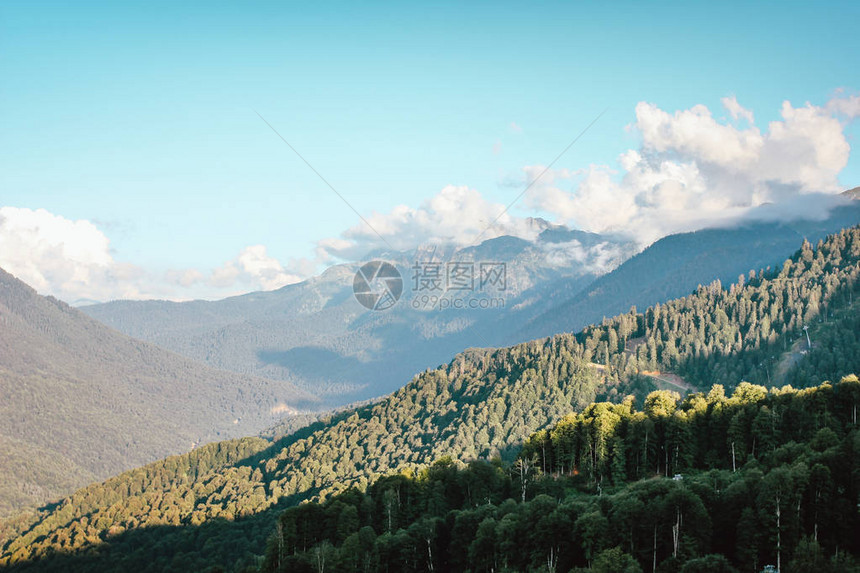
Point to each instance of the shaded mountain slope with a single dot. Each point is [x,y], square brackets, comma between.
[80,401]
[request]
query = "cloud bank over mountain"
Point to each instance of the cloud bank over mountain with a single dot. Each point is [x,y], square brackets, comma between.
[456,215]
[65,258]
[73,260]
[691,170]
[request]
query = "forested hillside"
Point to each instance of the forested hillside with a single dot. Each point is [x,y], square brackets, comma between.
[674,265]
[482,405]
[723,336]
[80,402]
[710,483]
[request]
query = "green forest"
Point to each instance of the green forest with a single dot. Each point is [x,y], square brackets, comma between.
[710,483]
[525,420]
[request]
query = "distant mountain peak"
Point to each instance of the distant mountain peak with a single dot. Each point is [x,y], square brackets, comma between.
[852,193]
[540,224]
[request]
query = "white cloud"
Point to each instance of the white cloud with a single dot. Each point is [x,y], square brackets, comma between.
[514,127]
[456,215]
[737,110]
[599,258]
[847,106]
[253,269]
[692,171]
[72,260]
[695,132]
[55,255]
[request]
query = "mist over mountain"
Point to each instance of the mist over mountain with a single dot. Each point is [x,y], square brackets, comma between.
[80,401]
[675,265]
[316,335]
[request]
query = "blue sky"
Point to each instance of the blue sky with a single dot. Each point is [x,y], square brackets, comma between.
[140,117]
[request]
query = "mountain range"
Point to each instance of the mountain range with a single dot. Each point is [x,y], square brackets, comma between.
[113,402]
[217,505]
[315,334]
[675,265]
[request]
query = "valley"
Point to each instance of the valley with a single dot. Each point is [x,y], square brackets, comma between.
[439,287]
[517,422]
[81,402]
[316,336]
